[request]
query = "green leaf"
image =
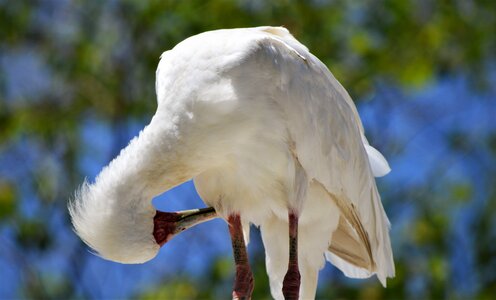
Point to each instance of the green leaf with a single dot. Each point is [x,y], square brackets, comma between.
[33,234]
[7,199]
[462,192]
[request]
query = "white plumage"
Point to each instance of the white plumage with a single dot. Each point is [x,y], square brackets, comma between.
[262,126]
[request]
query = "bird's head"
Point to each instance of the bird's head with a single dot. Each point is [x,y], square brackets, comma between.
[124,228]
[117,227]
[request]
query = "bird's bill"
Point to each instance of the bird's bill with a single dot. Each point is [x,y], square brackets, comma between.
[169,224]
[190,218]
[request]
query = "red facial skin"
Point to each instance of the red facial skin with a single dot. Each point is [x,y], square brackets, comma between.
[165,226]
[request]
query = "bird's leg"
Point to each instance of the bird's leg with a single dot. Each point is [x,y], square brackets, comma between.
[243,283]
[291,283]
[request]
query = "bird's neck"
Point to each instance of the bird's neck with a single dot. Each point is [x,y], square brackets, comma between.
[152,163]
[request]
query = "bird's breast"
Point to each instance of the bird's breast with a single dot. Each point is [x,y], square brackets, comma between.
[253,181]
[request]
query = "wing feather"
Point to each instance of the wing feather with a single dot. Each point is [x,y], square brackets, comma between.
[328,134]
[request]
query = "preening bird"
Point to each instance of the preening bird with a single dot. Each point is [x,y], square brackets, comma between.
[270,138]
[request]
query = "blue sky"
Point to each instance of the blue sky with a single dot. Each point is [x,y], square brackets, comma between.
[417,120]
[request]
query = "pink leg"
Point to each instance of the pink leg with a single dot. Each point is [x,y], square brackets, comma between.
[291,283]
[243,284]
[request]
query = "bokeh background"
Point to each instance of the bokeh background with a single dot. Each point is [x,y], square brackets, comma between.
[77,83]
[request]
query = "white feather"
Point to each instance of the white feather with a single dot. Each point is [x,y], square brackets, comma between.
[262,126]
[348,269]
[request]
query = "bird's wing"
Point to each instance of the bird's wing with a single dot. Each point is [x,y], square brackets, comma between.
[324,125]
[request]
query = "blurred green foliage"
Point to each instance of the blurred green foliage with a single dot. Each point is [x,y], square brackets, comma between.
[97,59]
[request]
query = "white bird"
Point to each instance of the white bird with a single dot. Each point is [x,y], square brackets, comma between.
[270,138]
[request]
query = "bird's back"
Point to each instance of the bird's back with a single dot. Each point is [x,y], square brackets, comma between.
[261,98]
[323,123]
